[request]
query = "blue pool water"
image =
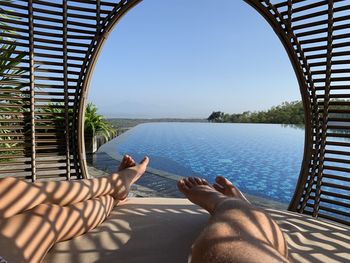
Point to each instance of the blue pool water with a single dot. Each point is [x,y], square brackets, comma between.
[261,159]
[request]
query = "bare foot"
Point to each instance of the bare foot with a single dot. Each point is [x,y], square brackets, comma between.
[225,187]
[127,162]
[201,193]
[122,180]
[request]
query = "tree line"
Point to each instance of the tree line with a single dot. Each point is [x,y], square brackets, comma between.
[285,113]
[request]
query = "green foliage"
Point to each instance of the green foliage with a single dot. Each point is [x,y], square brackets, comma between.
[217,116]
[8,94]
[95,124]
[56,115]
[10,84]
[286,113]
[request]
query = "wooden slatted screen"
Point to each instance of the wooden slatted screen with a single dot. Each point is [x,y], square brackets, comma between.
[40,97]
[55,44]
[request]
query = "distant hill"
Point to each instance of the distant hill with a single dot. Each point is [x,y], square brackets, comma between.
[285,113]
[128,123]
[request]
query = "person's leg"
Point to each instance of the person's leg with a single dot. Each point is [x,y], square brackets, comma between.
[237,231]
[28,236]
[18,196]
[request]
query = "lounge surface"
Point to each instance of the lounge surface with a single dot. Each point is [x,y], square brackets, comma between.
[163,229]
[42,114]
[50,49]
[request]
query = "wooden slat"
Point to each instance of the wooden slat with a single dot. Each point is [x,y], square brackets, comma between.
[336,195]
[285,3]
[9,22]
[306,7]
[337,177]
[332,202]
[66,79]
[47,19]
[338,135]
[83,9]
[82,31]
[81,16]
[332,218]
[336,186]
[32,87]
[47,11]
[337,152]
[313,40]
[310,15]
[47,34]
[11,13]
[46,3]
[335,211]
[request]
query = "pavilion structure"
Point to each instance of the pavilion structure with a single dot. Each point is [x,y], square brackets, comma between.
[48,51]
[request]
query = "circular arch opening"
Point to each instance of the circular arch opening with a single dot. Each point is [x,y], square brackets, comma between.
[254,4]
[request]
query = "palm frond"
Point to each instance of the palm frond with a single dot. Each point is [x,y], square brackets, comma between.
[96,124]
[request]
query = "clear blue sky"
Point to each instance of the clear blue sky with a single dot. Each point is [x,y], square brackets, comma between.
[186,59]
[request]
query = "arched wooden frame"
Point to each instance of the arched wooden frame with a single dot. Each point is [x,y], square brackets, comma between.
[315,35]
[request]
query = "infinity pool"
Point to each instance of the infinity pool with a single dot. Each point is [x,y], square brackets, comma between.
[261,159]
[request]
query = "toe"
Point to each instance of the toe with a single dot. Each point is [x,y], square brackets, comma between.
[126,162]
[132,162]
[144,162]
[192,180]
[223,181]
[123,163]
[205,182]
[182,186]
[198,180]
[188,182]
[219,188]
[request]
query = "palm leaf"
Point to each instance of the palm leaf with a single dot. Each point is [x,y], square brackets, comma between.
[95,123]
[8,80]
